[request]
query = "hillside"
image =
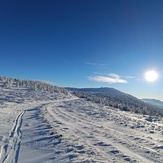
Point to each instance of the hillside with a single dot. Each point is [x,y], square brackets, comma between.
[43,123]
[19,91]
[109,91]
[115,98]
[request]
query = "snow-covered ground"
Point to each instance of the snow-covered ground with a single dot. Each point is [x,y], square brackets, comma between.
[68,129]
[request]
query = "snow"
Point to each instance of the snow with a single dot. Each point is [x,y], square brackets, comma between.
[48,128]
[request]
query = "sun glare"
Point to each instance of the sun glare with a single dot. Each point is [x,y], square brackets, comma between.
[151,76]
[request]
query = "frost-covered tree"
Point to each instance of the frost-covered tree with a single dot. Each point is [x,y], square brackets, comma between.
[29,84]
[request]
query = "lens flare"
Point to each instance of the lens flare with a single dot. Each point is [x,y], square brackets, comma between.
[151,75]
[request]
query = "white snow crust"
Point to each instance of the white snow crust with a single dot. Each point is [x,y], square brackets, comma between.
[40,127]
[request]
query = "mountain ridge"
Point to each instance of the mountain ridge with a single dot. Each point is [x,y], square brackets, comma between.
[98,90]
[115,98]
[38,90]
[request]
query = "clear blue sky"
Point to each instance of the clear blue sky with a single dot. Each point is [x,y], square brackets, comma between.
[84,43]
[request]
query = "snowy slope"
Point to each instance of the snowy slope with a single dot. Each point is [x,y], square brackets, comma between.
[55,127]
[92,133]
[117,99]
[20,103]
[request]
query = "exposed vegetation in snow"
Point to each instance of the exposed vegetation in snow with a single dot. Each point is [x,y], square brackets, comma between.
[114,98]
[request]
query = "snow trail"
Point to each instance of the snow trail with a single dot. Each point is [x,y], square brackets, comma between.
[75,130]
[11,144]
[97,134]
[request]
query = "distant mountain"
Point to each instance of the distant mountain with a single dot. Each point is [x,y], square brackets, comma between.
[115,98]
[111,91]
[153,102]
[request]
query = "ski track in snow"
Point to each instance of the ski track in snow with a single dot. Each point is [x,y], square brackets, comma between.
[11,144]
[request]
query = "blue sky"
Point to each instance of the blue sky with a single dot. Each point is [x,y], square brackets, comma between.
[84,43]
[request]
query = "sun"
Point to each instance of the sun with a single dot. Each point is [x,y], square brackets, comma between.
[151,75]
